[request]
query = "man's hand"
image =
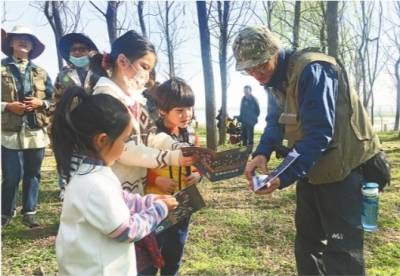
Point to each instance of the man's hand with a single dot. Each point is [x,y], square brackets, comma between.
[259,161]
[166,185]
[272,186]
[193,178]
[16,108]
[31,103]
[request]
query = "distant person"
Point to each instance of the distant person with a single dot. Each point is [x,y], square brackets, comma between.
[175,101]
[26,93]
[249,112]
[99,221]
[312,105]
[76,49]
[219,119]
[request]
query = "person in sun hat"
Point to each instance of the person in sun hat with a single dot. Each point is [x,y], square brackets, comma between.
[77,49]
[26,93]
[312,105]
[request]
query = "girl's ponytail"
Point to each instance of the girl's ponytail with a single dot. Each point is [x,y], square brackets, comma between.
[78,118]
[64,135]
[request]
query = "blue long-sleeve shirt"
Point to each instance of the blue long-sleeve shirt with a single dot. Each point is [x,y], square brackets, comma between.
[317,93]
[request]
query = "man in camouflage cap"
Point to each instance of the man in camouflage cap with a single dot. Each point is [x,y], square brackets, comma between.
[313,107]
[254,46]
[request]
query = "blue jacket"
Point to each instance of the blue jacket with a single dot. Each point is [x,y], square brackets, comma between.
[317,89]
[249,110]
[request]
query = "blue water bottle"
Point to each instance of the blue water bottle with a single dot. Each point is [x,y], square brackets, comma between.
[370,204]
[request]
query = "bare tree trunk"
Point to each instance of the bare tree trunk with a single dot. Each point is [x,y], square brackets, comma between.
[207,73]
[296,24]
[52,13]
[141,18]
[397,75]
[362,51]
[332,24]
[322,29]
[372,107]
[270,6]
[223,15]
[170,51]
[111,18]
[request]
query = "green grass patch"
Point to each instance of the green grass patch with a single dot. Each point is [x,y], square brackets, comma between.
[238,233]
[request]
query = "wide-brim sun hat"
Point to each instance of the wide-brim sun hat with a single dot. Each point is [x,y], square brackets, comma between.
[37,46]
[67,40]
[253,46]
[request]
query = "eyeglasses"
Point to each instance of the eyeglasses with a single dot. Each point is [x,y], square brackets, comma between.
[78,49]
[254,69]
[22,37]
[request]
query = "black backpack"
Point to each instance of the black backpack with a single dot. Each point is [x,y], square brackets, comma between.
[377,169]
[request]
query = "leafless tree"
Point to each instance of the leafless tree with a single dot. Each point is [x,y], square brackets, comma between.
[202,16]
[225,19]
[332,27]
[393,51]
[141,18]
[262,12]
[296,24]
[63,17]
[111,16]
[369,56]
[170,20]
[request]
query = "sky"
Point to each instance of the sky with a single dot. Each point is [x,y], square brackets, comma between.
[188,56]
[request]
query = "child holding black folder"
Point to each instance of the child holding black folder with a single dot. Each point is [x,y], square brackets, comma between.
[175,101]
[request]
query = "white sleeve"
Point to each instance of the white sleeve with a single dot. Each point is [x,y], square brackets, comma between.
[164,141]
[3,106]
[106,209]
[147,157]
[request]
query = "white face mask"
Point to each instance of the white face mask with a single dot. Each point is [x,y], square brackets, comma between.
[140,79]
[136,85]
[138,82]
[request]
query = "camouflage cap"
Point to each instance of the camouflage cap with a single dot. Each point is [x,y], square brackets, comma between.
[253,46]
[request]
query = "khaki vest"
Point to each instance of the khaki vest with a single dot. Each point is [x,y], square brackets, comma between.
[9,93]
[354,140]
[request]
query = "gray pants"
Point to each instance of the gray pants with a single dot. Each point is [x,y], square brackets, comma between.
[329,238]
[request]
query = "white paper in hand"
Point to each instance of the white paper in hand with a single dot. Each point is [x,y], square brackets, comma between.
[261,180]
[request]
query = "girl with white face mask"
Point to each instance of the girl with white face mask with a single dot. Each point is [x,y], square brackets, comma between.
[131,60]
[75,48]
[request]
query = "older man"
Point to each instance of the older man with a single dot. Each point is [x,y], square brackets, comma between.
[313,107]
[26,90]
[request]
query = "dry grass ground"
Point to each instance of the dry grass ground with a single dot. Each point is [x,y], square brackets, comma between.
[238,233]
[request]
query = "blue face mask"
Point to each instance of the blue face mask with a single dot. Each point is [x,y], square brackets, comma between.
[79,61]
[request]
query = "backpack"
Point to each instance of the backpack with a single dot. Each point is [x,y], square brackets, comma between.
[377,169]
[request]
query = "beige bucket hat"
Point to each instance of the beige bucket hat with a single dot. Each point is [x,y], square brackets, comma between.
[37,46]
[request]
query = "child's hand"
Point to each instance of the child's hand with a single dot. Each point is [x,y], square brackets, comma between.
[166,185]
[193,178]
[170,201]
